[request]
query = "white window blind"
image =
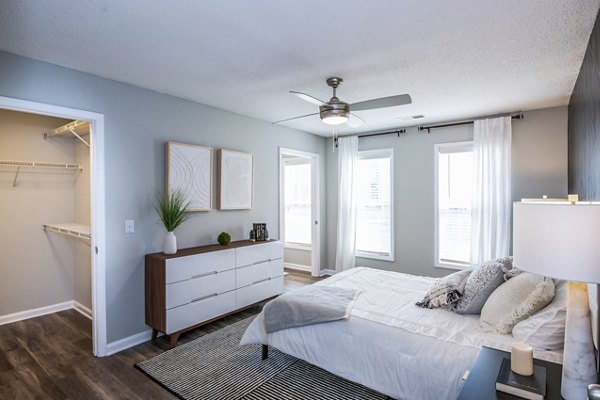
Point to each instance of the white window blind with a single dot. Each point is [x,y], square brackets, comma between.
[297,198]
[374,225]
[454,193]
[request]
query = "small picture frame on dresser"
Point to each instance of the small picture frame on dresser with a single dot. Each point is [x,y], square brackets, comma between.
[260,231]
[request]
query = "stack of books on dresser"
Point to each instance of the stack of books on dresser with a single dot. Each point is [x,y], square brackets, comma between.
[527,387]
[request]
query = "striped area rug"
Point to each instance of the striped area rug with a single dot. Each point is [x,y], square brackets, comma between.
[215,367]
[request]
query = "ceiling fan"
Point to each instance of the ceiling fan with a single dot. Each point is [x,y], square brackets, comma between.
[336,112]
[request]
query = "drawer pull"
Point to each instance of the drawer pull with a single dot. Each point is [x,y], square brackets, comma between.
[205,274]
[204,298]
[262,280]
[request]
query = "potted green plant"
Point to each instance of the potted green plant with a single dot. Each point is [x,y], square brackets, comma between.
[172,210]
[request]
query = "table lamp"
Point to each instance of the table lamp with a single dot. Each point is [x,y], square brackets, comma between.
[562,240]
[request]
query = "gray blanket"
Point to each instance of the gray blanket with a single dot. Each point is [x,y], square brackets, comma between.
[311,304]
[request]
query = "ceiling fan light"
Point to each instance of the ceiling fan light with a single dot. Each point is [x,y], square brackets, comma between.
[335,114]
[334,119]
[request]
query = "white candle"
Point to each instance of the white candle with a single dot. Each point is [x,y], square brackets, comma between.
[521,358]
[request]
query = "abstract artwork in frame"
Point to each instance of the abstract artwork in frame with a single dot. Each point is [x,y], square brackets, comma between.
[189,168]
[236,174]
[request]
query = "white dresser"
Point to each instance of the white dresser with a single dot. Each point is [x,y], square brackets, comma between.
[201,284]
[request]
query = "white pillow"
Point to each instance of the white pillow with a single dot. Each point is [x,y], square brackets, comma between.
[545,330]
[514,301]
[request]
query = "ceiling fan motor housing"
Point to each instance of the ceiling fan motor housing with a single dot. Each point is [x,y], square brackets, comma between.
[334,112]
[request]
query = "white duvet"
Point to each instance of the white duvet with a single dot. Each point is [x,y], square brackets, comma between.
[388,343]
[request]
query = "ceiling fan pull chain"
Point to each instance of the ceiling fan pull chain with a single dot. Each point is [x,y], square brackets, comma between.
[334,138]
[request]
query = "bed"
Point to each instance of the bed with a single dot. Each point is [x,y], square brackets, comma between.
[388,344]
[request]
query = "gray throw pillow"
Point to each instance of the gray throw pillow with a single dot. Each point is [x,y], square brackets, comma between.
[445,291]
[481,283]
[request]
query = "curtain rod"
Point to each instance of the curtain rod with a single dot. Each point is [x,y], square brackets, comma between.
[397,132]
[430,127]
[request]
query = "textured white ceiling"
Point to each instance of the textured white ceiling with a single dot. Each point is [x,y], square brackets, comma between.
[457,59]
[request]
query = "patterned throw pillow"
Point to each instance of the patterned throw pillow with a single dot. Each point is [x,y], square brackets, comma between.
[445,291]
[481,283]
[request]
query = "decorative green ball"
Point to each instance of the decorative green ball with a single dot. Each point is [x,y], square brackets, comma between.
[224,238]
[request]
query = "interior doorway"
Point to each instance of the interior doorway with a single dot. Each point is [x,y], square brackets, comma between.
[299,209]
[96,235]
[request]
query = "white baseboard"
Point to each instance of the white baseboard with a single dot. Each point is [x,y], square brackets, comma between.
[83,310]
[36,312]
[327,272]
[299,267]
[130,341]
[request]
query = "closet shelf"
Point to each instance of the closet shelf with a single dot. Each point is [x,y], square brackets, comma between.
[80,231]
[76,128]
[33,164]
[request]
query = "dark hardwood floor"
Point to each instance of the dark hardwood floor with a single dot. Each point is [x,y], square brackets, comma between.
[50,357]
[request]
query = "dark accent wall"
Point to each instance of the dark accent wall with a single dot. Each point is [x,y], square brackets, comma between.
[584,124]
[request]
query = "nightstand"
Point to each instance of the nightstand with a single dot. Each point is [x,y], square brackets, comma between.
[481,383]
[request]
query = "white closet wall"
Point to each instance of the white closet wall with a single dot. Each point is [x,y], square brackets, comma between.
[82,274]
[39,268]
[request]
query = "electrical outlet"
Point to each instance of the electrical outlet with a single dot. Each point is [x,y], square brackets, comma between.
[129,226]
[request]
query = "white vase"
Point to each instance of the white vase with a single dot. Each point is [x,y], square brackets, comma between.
[170,243]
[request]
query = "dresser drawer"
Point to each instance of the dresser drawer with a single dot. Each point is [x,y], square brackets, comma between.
[199,311]
[258,291]
[258,253]
[183,292]
[255,273]
[183,268]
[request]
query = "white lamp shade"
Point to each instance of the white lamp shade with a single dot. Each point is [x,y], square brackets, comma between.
[559,240]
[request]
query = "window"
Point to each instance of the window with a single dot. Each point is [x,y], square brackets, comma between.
[374,222]
[297,198]
[454,174]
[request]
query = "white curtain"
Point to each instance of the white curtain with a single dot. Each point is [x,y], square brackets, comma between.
[346,222]
[491,207]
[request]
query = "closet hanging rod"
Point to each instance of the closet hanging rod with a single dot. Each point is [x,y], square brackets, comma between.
[35,164]
[77,128]
[430,127]
[79,231]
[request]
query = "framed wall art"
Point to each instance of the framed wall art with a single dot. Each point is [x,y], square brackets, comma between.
[236,175]
[189,168]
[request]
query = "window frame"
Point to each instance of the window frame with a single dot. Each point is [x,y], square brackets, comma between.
[456,147]
[378,153]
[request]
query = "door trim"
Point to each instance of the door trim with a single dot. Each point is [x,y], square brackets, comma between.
[316,205]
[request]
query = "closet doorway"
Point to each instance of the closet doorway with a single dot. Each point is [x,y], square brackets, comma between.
[63,237]
[299,209]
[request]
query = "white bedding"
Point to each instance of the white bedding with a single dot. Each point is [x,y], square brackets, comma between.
[388,343]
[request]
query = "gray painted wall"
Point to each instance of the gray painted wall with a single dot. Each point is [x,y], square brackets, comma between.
[297,257]
[539,166]
[137,123]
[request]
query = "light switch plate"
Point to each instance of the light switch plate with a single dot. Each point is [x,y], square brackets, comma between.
[129,226]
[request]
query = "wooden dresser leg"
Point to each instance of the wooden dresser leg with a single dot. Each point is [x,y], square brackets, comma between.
[173,338]
[265,351]
[154,334]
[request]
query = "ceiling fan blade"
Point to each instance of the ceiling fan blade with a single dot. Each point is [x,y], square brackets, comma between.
[309,98]
[382,102]
[291,119]
[354,121]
